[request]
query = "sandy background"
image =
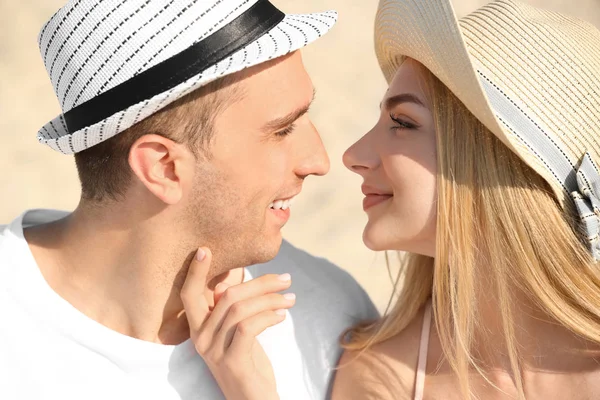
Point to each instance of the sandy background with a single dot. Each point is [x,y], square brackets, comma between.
[327,218]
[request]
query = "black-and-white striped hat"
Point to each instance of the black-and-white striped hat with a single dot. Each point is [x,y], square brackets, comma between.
[113,63]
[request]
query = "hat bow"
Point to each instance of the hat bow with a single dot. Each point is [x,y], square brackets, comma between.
[587,201]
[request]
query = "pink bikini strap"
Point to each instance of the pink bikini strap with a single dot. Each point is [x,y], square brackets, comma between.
[423,347]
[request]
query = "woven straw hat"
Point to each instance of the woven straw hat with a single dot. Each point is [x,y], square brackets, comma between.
[113,63]
[531,76]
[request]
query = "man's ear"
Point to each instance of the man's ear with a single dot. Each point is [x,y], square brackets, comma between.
[163,166]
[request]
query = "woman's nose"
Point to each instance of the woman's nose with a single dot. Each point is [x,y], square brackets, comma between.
[361,156]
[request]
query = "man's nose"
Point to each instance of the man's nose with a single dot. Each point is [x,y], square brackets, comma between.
[315,160]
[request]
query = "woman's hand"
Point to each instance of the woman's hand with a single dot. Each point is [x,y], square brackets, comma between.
[226,336]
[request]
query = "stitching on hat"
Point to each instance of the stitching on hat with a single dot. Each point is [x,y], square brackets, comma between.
[584,217]
[141,47]
[57,141]
[561,59]
[47,132]
[310,16]
[44,28]
[274,42]
[298,29]
[102,131]
[60,24]
[501,8]
[229,64]
[117,129]
[529,118]
[594,165]
[71,143]
[534,152]
[291,44]
[137,115]
[54,128]
[65,41]
[329,14]
[62,122]
[80,45]
[122,116]
[517,61]
[184,30]
[160,103]
[184,71]
[123,22]
[259,48]
[85,135]
[303,21]
[245,56]
[587,182]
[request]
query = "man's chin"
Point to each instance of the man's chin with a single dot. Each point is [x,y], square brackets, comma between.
[259,250]
[267,250]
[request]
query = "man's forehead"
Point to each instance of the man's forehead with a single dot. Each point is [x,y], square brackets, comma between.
[279,82]
[273,96]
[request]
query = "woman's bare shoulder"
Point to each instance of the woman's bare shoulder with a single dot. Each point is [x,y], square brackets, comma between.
[384,372]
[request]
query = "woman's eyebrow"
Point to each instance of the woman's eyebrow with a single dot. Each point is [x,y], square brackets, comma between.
[392,102]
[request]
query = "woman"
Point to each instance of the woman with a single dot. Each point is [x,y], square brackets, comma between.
[482,167]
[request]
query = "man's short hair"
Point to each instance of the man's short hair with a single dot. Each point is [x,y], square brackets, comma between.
[104,169]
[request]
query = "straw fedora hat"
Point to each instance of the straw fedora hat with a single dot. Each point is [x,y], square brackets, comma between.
[113,63]
[531,76]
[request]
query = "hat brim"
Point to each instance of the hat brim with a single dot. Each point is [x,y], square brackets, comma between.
[292,33]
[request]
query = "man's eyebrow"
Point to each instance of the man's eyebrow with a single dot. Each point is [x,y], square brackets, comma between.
[284,122]
[400,99]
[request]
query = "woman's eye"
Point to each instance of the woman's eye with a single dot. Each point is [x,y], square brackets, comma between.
[401,124]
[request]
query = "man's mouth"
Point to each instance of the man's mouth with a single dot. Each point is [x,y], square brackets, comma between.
[282,204]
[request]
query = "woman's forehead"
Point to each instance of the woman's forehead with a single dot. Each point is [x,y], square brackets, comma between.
[408,80]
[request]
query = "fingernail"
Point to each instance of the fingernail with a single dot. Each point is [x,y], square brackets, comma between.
[285,277]
[289,296]
[200,255]
[280,312]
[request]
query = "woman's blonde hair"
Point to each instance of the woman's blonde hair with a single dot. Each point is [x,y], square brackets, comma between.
[493,209]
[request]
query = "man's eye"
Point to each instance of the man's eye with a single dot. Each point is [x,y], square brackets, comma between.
[286,131]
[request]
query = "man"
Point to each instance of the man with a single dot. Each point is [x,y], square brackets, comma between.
[188,121]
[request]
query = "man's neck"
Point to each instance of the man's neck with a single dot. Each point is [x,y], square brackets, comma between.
[123,271]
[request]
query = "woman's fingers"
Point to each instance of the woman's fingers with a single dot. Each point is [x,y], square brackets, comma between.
[192,292]
[244,337]
[266,284]
[219,292]
[245,310]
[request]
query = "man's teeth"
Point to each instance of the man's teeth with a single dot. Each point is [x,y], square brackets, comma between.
[282,204]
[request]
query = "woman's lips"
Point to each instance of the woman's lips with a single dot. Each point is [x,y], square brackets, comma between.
[371,200]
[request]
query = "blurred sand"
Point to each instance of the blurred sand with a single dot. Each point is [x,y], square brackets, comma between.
[327,218]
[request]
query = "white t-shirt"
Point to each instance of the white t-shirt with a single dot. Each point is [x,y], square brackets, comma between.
[50,350]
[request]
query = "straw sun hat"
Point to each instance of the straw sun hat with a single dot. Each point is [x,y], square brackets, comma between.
[113,63]
[531,76]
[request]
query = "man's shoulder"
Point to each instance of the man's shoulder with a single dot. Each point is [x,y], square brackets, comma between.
[12,240]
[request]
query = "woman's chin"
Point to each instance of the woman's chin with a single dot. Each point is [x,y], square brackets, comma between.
[375,242]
